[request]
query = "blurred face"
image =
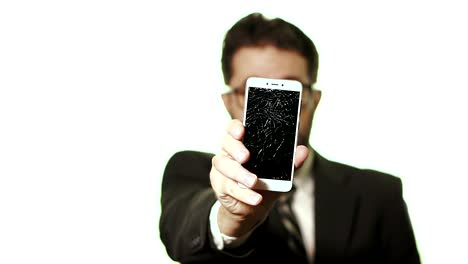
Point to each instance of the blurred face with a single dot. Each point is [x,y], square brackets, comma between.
[271,62]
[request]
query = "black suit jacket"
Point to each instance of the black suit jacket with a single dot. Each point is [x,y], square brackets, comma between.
[360,217]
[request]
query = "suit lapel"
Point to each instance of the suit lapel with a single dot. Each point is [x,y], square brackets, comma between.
[335,206]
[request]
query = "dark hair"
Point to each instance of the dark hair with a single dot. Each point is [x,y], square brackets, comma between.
[256,30]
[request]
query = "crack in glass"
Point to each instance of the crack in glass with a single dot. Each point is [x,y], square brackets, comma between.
[270,127]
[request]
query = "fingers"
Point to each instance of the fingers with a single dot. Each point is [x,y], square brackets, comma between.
[234,171]
[302,152]
[227,170]
[236,129]
[230,193]
[235,149]
[232,145]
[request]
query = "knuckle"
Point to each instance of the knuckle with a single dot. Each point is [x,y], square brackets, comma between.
[212,177]
[231,204]
[215,180]
[236,206]
[214,161]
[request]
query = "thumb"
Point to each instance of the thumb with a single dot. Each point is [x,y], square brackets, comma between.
[302,152]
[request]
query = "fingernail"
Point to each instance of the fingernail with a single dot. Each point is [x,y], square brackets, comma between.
[241,155]
[254,198]
[249,180]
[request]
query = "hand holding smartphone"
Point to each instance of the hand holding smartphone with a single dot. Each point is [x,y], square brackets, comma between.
[271,121]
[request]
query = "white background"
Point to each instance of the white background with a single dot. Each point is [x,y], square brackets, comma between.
[95,96]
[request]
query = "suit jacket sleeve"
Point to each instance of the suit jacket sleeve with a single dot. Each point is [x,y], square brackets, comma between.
[398,240]
[186,200]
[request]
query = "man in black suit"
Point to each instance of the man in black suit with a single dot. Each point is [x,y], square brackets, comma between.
[341,214]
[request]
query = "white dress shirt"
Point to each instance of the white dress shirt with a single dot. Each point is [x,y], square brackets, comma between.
[302,206]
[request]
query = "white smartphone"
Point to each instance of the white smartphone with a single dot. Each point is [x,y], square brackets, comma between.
[271,120]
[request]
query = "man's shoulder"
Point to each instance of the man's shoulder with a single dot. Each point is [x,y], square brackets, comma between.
[190,156]
[376,178]
[368,181]
[189,160]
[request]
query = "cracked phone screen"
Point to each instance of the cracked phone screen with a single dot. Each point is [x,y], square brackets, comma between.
[270,132]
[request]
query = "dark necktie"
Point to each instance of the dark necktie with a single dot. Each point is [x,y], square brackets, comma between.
[290,223]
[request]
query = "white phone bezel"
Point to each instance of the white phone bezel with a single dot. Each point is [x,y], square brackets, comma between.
[278,84]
